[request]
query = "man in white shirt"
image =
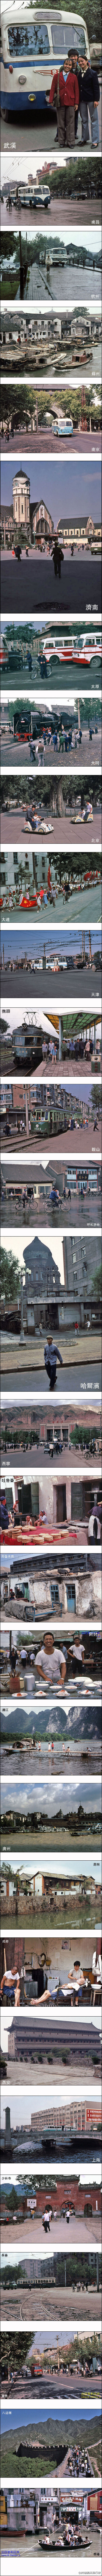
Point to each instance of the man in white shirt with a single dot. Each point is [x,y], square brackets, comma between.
[50,1662]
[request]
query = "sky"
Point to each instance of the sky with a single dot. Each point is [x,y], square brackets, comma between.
[80,1088]
[31,941]
[61,484]
[53,1245]
[90,242]
[49,2335]
[51,1795]
[11,2416]
[86,1863]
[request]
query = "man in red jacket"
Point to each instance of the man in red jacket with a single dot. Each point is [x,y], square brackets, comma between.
[65,91]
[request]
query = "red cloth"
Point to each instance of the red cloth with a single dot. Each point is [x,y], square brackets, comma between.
[72,90]
[68,89]
[57,76]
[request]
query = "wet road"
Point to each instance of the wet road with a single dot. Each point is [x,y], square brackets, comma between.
[88,1209]
[58,211]
[31,584]
[60,285]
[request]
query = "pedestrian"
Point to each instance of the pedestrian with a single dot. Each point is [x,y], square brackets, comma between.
[71,99]
[57,98]
[89,93]
[51,1355]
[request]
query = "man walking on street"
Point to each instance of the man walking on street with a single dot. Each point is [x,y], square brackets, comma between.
[51,1355]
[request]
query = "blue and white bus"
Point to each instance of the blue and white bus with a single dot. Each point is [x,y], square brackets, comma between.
[29,51]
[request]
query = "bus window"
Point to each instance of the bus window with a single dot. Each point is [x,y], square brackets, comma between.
[71,37]
[28,41]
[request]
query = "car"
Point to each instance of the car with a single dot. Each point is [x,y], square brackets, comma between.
[30,51]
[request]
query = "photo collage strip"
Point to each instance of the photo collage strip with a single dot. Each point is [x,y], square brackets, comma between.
[51,1275]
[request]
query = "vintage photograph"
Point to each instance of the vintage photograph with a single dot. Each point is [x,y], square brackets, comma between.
[41,537]
[74,1890]
[40,2441]
[31,1742]
[64,103]
[49,877]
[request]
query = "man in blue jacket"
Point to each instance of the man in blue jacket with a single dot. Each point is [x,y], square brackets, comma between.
[89,93]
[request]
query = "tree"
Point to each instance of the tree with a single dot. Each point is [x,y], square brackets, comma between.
[96,1097]
[10,1276]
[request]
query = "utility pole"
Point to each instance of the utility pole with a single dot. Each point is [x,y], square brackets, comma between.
[90,947]
[27,1119]
[22,1324]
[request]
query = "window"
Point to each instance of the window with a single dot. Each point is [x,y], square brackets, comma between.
[55,1599]
[71,36]
[28,42]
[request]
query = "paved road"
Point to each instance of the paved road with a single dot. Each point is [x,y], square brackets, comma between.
[78,1210]
[82,2232]
[66,1377]
[32,441]
[58,2385]
[74,987]
[60,832]
[58,212]
[62,285]
[72,910]
[40,131]
[66,677]
[31,584]
[87,753]
[17,2071]
[84,1138]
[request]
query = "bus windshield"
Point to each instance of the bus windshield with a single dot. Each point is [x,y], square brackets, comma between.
[32,41]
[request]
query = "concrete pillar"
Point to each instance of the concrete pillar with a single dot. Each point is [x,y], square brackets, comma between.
[27,1119]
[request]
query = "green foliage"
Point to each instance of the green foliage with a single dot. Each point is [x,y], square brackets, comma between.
[10,1275]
